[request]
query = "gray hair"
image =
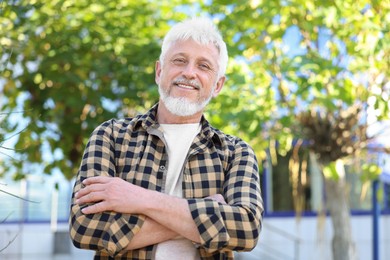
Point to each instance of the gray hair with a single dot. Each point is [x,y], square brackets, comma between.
[201,30]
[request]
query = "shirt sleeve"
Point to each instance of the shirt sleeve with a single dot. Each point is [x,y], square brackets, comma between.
[235,226]
[109,232]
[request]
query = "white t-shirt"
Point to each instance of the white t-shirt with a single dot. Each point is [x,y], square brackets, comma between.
[179,138]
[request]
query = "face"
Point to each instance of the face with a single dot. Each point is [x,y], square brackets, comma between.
[188,79]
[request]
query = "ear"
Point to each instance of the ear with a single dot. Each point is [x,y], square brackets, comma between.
[219,86]
[158,72]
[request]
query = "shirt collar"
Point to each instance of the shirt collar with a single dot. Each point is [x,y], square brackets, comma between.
[149,120]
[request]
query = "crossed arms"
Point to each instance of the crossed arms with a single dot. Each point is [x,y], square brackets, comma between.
[113,215]
[115,194]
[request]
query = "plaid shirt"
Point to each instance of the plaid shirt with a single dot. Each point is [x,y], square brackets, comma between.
[134,150]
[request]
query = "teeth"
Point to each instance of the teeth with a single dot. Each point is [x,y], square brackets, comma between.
[185,86]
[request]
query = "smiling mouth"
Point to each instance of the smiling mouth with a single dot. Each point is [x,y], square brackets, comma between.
[190,87]
[186,84]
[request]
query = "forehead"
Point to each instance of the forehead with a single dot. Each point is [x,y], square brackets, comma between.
[192,49]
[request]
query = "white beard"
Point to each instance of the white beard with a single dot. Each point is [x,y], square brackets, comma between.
[182,106]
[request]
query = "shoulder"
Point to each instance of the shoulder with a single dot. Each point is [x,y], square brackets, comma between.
[116,126]
[124,125]
[231,141]
[235,152]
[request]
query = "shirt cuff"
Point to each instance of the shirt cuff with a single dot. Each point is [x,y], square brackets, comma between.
[122,229]
[210,223]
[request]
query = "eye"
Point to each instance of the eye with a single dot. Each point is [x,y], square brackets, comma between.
[204,66]
[179,61]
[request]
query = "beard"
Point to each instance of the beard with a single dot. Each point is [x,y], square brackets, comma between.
[182,106]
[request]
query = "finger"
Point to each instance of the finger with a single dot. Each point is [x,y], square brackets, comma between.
[90,197]
[95,208]
[88,189]
[96,179]
[218,197]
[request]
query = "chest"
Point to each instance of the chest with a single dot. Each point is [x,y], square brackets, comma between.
[144,161]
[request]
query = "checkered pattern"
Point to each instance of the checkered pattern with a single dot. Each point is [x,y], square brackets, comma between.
[132,149]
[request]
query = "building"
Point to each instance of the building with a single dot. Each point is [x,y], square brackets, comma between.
[36,228]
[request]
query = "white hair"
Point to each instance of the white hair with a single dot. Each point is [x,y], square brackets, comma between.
[203,31]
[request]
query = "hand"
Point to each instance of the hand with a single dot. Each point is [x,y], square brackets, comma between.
[217,197]
[109,194]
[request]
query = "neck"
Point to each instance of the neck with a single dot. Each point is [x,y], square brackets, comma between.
[164,116]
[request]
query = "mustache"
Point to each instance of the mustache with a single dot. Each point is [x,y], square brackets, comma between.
[184,81]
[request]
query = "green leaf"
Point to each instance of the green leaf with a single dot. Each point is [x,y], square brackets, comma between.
[370,172]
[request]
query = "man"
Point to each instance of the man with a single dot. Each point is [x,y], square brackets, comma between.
[166,184]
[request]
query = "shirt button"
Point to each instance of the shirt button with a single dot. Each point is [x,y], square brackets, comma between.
[162,167]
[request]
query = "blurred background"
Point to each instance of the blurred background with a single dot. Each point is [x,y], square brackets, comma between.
[307,86]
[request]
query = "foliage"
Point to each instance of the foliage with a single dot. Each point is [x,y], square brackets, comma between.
[76,64]
[371,172]
[73,65]
[314,57]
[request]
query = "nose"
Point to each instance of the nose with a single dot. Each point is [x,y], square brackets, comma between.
[189,71]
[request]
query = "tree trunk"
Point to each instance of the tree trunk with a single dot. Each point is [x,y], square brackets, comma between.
[343,247]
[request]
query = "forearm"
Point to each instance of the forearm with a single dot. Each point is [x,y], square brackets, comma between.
[105,236]
[150,233]
[226,226]
[114,194]
[172,213]
[153,232]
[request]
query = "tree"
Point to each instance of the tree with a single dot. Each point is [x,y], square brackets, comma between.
[73,65]
[327,65]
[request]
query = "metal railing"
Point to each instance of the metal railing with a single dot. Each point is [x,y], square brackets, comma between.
[269,252]
[290,238]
